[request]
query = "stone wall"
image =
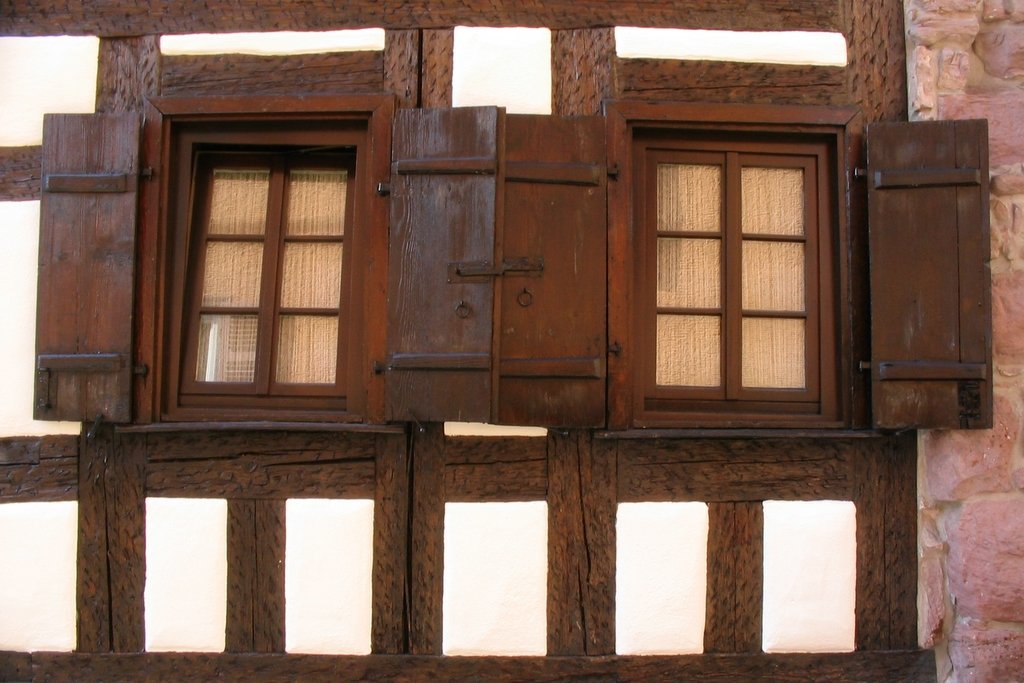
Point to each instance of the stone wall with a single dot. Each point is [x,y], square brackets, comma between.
[966,60]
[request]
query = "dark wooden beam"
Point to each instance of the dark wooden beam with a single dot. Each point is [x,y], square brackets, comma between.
[495,469]
[241,541]
[93,578]
[402,66]
[126,17]
[20,173]
[582,70]
[437,49]
[876,58]
[41,468]
[268,602]
[426,548]
[390,621]
[126,540]
[128,72]
[735,582]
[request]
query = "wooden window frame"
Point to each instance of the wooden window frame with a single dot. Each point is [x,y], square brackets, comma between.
[834,392]
[175,131]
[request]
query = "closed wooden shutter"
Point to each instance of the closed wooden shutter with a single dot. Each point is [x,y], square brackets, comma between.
[552,313]
[86,267]
[931,325]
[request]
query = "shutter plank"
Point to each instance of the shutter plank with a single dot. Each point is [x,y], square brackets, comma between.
[552,330]
[443,208]
[929,242]
[86,267]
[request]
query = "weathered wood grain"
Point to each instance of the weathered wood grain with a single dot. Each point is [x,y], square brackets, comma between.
[268,589]
[214,445]
[92,583]
[15,666]
[390,620]
[234,74]
[126,540]
[402,66]
[735,583]
[124,17]
[482,469]
[426,575]
[582,70]
[876,58]
[53,479]
[20,171]
[436,54]
[908,666]
[241,548]
[128,72]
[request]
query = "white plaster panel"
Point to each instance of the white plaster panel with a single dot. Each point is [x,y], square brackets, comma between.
[661,578]
[328,565]
[40,75]
[19,263]
[810,576]
[487,429]
[186,574]
[504,67]
[38,550]
[273,42]
[779,47]
[495,578]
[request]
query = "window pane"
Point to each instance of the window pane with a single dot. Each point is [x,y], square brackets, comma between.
[232,276]
[773,353]
[689,272]
[312,276]
[689,350]
[773,201]
[238,205]
[773,276]
[227,348]
[689,197]
[316,202]
[308,349]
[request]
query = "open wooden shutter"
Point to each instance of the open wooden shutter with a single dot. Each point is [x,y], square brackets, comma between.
[86,267]
[440,272]
[552,345]
[931,325]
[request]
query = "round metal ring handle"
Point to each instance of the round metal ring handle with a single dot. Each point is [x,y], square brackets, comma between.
[525,297]
[462,309]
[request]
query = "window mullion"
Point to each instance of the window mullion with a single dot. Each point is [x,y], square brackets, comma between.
[266,345]
[732,286]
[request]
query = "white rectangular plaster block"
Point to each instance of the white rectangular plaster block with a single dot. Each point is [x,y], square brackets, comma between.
[52,74]
[19,264]
[495,578]
[661,578]
[487,429]
[38,560]
[186,574]
[504,67]
[810,576]
[327,585]
[779,47]
[274,42]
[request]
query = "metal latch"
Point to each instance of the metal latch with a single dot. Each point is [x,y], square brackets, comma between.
[460,271]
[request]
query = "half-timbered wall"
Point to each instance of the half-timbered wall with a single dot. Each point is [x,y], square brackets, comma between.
[728,490]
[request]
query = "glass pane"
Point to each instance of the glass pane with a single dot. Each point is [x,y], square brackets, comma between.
[773,276]
[689,272]
[773,200]
[227,348]
[308,349]
[312,276]
[238,205]
[232,276]
[316,202]
[689,350]
[773,353]
[689,197]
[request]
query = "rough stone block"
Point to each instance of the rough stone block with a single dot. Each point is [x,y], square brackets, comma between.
[1003,110]
[1011,181]
[1008,315]
[986,559]
[931,596]
[984,654]
[922,80]
[954,69]
[1001,50]
[993,10]
[952,21]
[1007,225]
[960,463]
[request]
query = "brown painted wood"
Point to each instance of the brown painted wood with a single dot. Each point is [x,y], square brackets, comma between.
[121,17]
[735,583]
[426,545]
[436,55]
[929,281]
[582,62]
[495,469]
[126,540]
[92,583]
[876,72]
[235,74]
[718,470]
[911,666]
[20,173]
[269,606]
[715,81]
[31,450]
[241,542]
[86,254]
[390,620]
[129,72]
[402,65]
[581,544]
[216,444]
[428,316]
[52,479]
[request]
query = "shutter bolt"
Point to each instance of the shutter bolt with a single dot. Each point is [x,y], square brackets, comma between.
[384,189]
